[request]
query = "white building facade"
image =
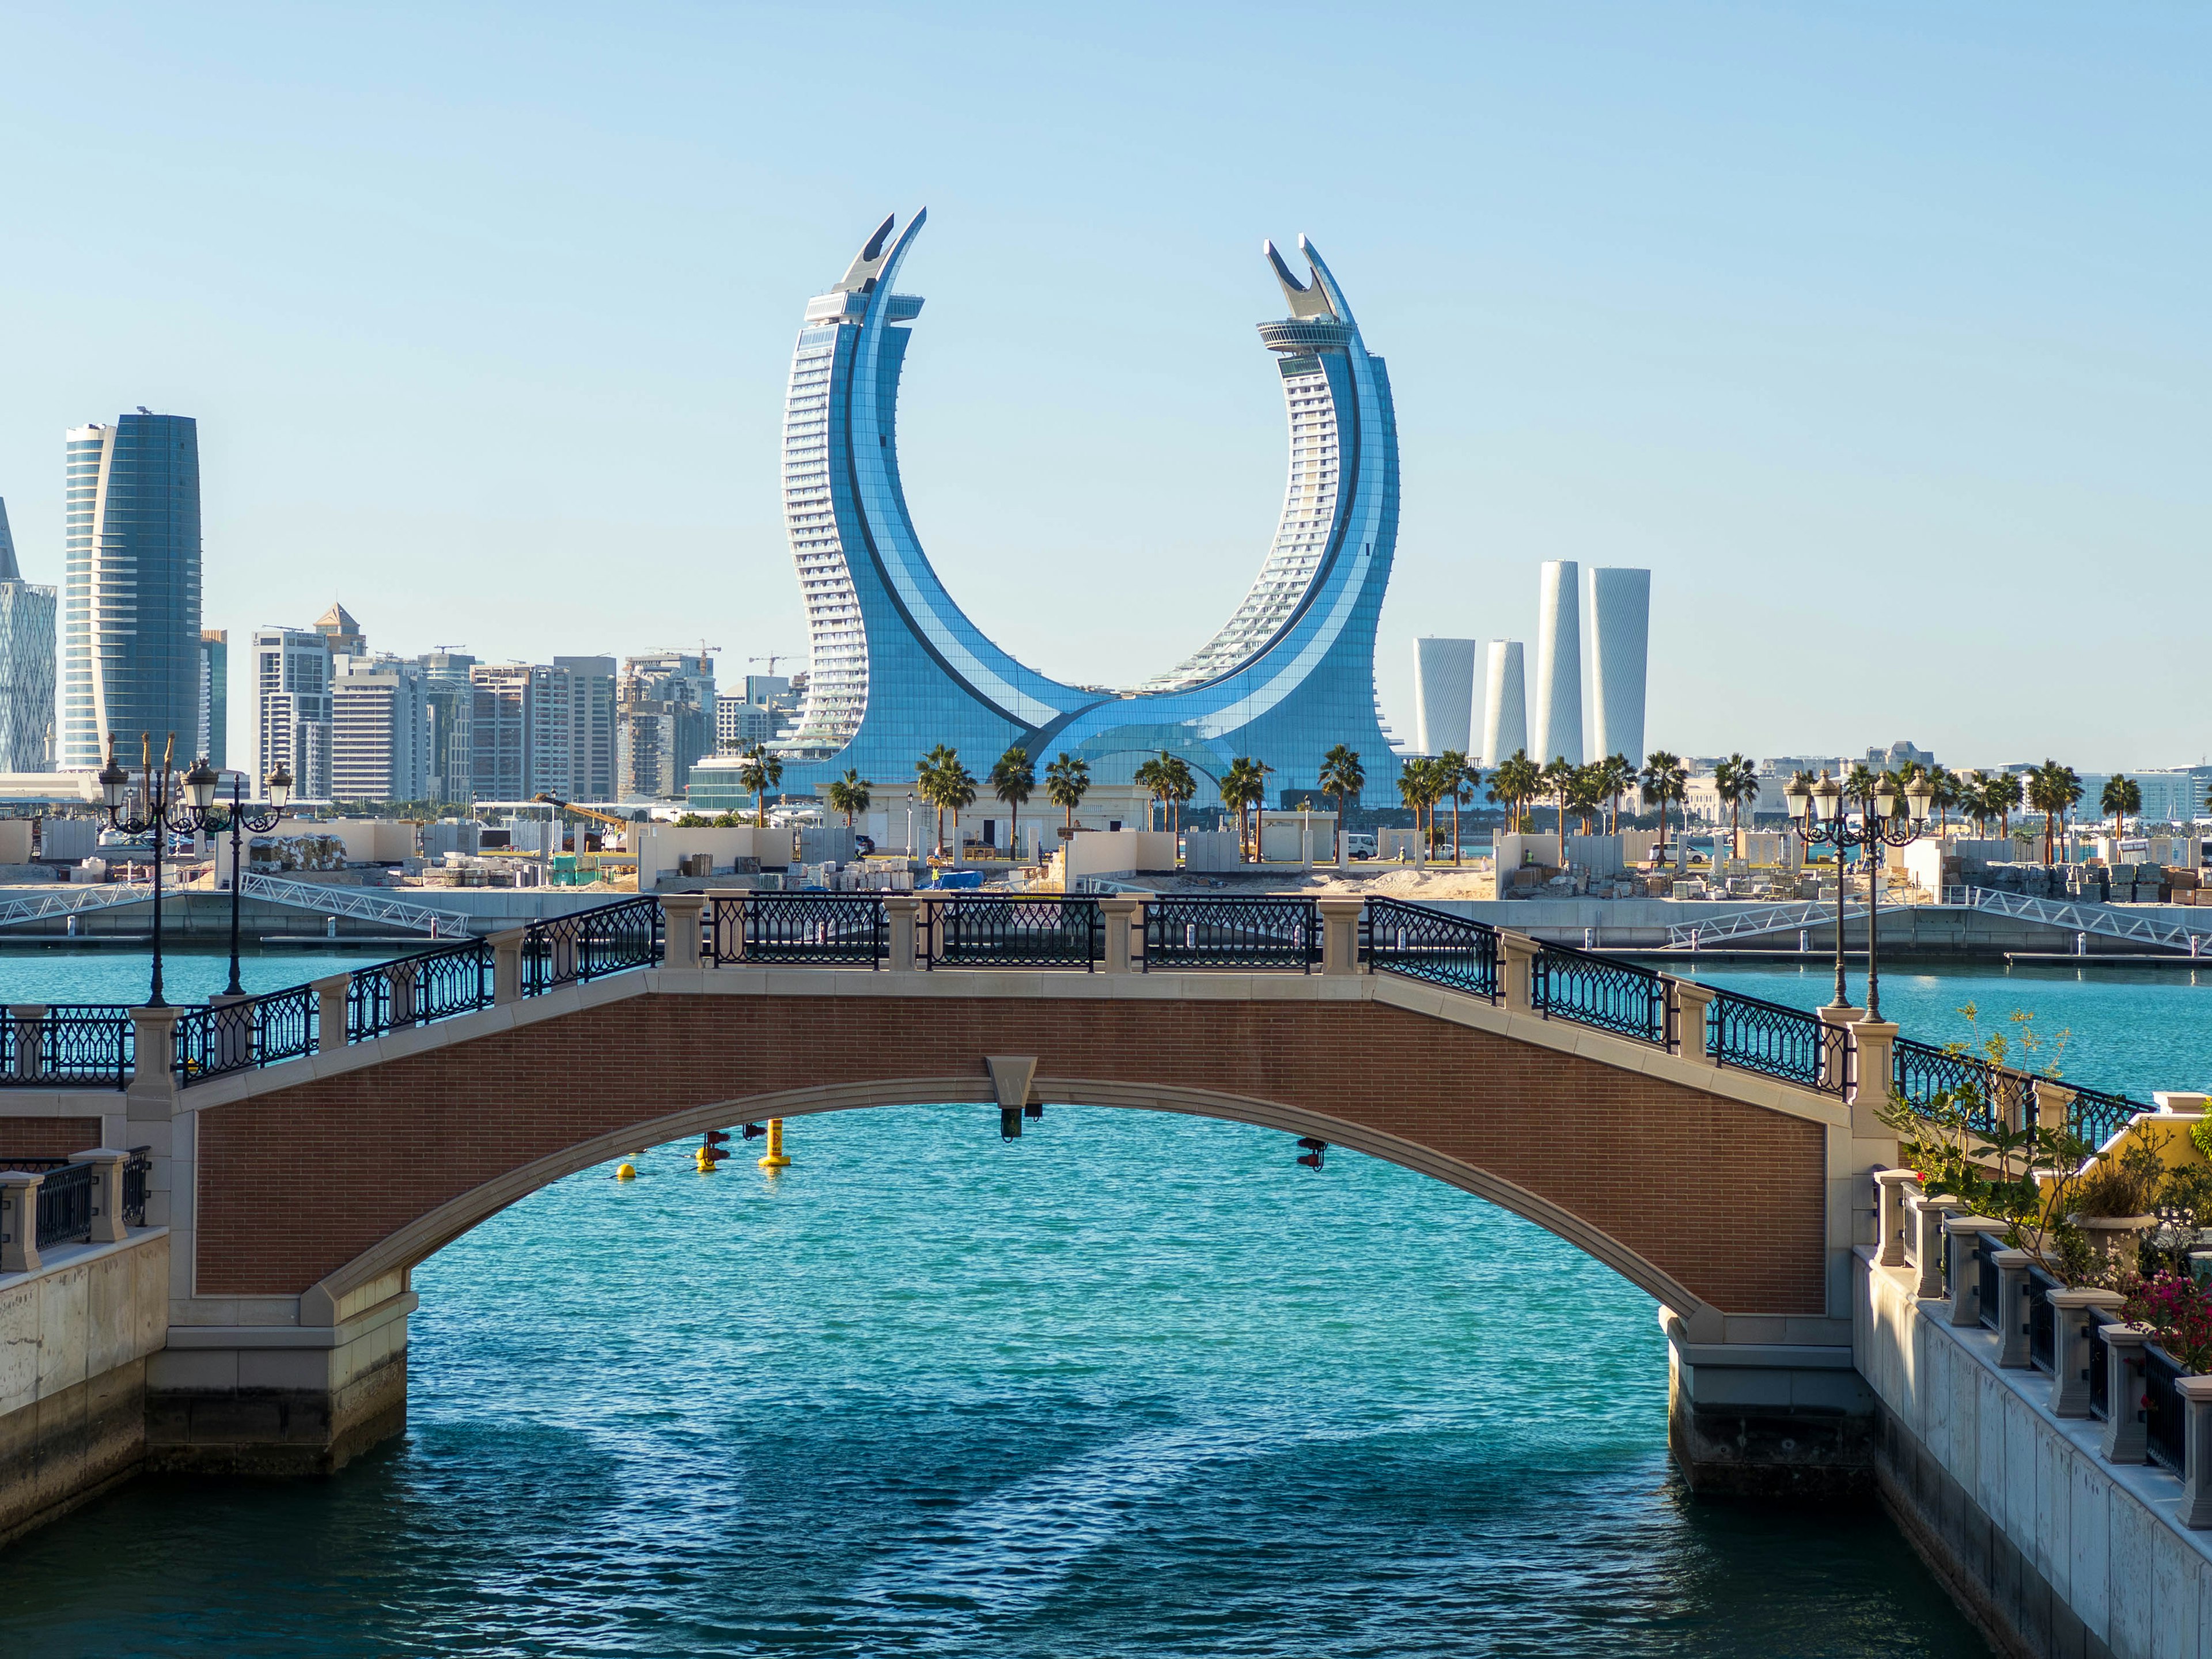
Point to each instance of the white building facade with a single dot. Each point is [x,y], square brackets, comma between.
[1557,715]
[1620,643]
[1505,702]
[1443,695]
[380,730]
[292,708]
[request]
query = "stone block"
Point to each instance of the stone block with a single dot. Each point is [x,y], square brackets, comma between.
[192,1371]
[2130,1596]
[65,1314]
[19,1345]
[300,1369]
[111,1320]
[2090,1575]
[2174,1594]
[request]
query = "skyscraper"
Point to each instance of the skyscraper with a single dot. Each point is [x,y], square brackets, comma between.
[1558,712]
[215,697]
[1443,695]
[338,626]
[292,708]
[379,730]
[130,603]
[580,764]
[452,702]
[1620,634]
[27,665]
[1504,703]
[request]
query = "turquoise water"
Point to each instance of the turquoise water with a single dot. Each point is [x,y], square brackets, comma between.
[65,973]
[1132,1385]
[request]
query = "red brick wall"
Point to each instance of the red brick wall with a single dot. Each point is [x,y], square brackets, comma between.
[1727,1198]
[47,1136]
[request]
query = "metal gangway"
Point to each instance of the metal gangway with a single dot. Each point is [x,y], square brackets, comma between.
[360,904]
[2088,916]
[74,900]
[1766,918]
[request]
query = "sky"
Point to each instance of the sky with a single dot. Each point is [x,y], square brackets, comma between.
[1879,333]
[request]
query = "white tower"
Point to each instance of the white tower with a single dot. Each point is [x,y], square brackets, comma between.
[1504,703]
[1558,712]
[1443,695]
[1621,640]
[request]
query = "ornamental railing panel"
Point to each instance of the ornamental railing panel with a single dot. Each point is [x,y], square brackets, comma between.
[588,944]
[237,1037]
[1411,939]
[1751,1035]
[78,1045]
[1246,933]
[65,1206]
[135,1168]
[819,928]
[1995,1095]
[415,990]
[1013,931]
[1619,997]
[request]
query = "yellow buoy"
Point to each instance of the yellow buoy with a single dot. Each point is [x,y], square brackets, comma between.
[626,1172]
[775,1159]
[706,1163]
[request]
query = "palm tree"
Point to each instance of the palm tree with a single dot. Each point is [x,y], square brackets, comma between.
[1174,774]
[1664,779]
[1011,780]
[1414,788]
[1586,794]
[848,795]
[1067,781]
[1735,780]
[1458,780]
[1558,778]
[1149,778]
[1243,787]
[2123,798]
[1620,779]
[945,783]
[1344,777]
[1860,784]
[2053,790]
[1516,781]
[1945,791]
[2006,793]
[760,772]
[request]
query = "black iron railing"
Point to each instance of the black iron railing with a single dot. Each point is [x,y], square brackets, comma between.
[65,1206]
[238,1036]
[1429,944]
[1619,997]
[1013,931]
[2165,1422]
[2042,1321]
[136,1168]
[799,927]
[1790,1043]
[1990,1279]
[415,990]
[1232,933]
[2100,1370]
[2097,1116]
[80,1046]
[589,945]
[1920,1072]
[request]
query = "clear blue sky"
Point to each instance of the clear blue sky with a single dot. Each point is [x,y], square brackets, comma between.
[1878,333]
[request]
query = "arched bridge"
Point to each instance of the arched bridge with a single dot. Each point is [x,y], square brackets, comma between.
[305,1150]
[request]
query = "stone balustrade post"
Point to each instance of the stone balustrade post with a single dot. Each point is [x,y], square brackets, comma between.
[2013,1308]
[1339,935]
[2070,1355]
[2126,1440]
[1959,1233]
[904,913]
[1928,1216]
[680,920]
[1517,966]
[107,1163]
[1693,1005]
[1872,1062]
[153,1089]
[19,1222]
[331,1012]
[507,964]
[28,1035]
[2196,1450]
[1892,1188]
[1124,915]
[2054,1105]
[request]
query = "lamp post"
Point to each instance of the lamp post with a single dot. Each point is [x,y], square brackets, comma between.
[161,814]
[1892,819]
[237,818]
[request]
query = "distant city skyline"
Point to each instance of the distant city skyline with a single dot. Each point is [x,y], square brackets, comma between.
[1778,307]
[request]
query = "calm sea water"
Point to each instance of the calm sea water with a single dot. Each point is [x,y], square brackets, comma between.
[1132,1385]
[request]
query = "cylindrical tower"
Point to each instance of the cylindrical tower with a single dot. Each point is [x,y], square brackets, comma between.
[1504,703]
[1559,711]
[1443,695]
[1620,638]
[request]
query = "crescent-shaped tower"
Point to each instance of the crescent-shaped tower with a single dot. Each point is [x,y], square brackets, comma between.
[895,667]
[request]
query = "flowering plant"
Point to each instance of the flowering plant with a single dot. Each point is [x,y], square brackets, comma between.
[2178,1312]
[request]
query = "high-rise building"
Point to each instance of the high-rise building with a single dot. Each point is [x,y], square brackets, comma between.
[379,730]
[896,665]
[663,727]
[740,723]
[292,708]
[130,598]
[1504,703]
[1558,716]
[510,712]
[1620,640]
[343,633]
[27,665]
[578,764]
[215,697]
[1443,695]
[451,701]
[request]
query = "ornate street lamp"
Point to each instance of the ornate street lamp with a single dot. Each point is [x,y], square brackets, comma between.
[237,818]
[1892,819]
[160,812]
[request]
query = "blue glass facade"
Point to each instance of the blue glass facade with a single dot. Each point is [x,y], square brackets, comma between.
[897,667]
[131,595]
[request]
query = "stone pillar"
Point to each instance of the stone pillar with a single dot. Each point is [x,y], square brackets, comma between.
[1691,1001]
[1123,916]
[2013,1308]
[19,1222]
[2197,1446]
[1516,959]
[2054,1105]
[153,1089]
[1891,1186]
[107,1163]
[330,1012]
[1958,1232]
[903,911]
[1926,1215]
[1874,1041]
[27,1059]
[680,914]
[507,964]
[2069,1357]
[2125,1439]
[1339,935]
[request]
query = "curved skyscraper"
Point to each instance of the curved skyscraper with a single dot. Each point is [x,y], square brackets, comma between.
[1559,711]
[895,667]
[1620,635]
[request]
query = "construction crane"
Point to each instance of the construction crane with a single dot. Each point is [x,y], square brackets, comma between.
[781,656]
[581,811]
